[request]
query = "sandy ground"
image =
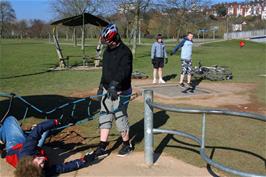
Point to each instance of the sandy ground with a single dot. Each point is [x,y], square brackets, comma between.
[132,165]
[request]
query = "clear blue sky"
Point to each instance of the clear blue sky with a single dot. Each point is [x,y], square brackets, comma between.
[32,9]
[41,9]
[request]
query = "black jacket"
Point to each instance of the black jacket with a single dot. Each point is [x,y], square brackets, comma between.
[117,66]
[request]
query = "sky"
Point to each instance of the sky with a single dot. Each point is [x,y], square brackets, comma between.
[32,9]
[41,9]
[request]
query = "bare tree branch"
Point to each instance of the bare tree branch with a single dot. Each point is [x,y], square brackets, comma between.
[7,15]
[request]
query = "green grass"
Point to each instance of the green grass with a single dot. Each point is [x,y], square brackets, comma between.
[24,70]
[246,63]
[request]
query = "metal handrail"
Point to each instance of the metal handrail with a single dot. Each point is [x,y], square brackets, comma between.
[208,111]
[149,130]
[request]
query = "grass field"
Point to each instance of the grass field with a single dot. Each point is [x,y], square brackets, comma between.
[24,70]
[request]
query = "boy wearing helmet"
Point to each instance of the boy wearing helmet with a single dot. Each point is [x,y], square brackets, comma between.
[158,54]
[115,81]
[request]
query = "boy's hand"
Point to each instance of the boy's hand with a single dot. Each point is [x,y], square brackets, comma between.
[32,127]
[67,121]
[112,92]
[99,92]
[89,158]
[166,60]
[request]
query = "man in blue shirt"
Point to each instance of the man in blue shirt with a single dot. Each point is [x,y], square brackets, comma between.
[158,54]
[186,58]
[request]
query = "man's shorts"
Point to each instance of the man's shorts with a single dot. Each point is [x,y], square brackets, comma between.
[117,111]
[158,63]
[186,66]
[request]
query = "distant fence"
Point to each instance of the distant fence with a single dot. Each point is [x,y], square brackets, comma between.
[149,131]
[245,34]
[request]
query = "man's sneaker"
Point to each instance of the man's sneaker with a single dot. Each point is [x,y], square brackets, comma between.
[125,150]
[161,81]
[154,81]
[181,84]
[99,153]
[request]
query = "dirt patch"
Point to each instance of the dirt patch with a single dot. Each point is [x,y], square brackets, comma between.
[254,106]
[133,165]
[235,96]
[70,135]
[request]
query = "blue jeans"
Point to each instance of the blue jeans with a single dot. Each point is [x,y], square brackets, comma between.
[12,134]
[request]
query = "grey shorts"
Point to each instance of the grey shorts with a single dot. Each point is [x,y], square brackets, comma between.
[186,66]
[117,111]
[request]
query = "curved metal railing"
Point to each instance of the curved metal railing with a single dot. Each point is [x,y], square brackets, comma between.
[149,130]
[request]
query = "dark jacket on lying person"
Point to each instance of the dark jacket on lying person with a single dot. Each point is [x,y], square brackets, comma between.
[30,148]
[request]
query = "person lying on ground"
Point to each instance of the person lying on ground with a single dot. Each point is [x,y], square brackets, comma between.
[25,153]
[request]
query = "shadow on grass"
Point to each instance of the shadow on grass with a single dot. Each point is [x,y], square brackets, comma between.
[190,147]
[46,103]
[148,55]
[194,84]
[169,77]
[21,43]
[25,75]
[136,132]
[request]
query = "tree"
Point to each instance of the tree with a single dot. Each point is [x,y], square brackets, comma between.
[221,10]
[7,16]
[137,8]
[125,17]
[22,28]
[36,29]
[182,11]
[67,8]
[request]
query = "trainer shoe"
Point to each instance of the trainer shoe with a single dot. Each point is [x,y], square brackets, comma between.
[182,84]
[125,150]
[154,81]
[161,81]
[99,153]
